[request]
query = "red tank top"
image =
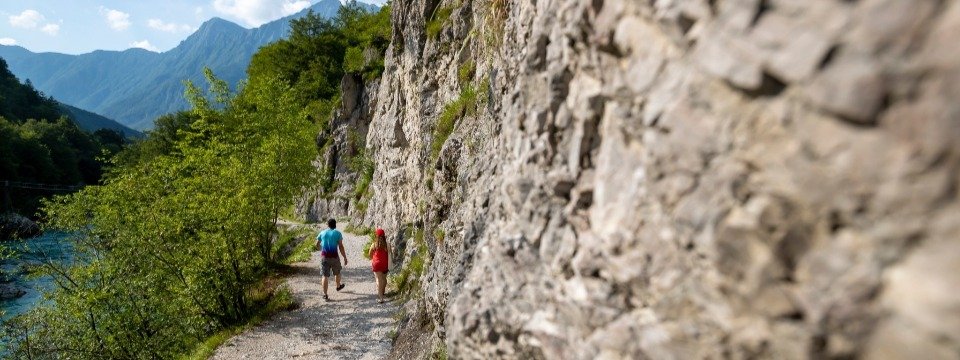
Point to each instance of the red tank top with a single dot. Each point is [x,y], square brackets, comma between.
[379,259]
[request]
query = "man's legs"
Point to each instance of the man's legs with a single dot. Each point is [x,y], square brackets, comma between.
[325,269]
[336,267]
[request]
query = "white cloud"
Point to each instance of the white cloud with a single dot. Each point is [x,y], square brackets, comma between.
[144,44]
[51,29]
[168,27]
[32,19]
[28,19]
[7,41]
[118,20]
[258,12]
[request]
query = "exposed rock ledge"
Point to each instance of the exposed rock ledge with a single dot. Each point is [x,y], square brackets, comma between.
[15,226]
[10,291]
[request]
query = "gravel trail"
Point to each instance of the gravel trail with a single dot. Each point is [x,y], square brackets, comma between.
[351,326]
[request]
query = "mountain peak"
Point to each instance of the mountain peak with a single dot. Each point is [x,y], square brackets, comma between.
[218,23]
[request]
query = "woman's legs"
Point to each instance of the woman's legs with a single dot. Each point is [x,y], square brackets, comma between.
[381,284]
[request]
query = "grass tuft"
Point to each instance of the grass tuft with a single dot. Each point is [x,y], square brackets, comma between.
[466,103]
[466,71]
[440,351]
[439,19]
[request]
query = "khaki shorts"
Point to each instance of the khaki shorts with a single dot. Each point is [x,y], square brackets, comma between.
[327,264]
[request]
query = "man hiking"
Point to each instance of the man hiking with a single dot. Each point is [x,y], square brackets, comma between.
[330,240]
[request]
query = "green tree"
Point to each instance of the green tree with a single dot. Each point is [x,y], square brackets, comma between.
[169,246]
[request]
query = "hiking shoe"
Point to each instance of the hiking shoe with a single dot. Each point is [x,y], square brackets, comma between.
[341,287]
[327,298]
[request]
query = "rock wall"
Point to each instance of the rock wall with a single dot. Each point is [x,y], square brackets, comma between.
[676,179]
[346,137]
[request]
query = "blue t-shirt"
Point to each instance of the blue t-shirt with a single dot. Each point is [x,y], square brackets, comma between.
[329,240]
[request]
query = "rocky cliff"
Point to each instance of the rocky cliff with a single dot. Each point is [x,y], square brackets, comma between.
[671,179]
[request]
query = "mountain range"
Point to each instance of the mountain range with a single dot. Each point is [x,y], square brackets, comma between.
[136,86]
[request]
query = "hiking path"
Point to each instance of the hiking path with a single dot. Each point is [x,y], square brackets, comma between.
[352,325]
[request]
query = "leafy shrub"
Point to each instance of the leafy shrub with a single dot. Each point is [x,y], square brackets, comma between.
[353,60]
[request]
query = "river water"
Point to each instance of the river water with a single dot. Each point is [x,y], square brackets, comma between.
[51,245]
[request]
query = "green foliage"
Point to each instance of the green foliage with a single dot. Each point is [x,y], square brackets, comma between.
[360,163]
[440,352]
[170,248]
[52,152]
[466,71]
[357,230]
[94,122]
[292,245]
[314,60]
[353,60]
[167,131]
[290,213]
[466,103]
[366,247]
[39,144]
[407,280]
[438,20]
[302,251]
[438,235]
[369,36]
[280,300]
[22,101]
[319,51]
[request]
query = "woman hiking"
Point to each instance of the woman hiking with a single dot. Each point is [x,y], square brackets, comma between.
[380,261]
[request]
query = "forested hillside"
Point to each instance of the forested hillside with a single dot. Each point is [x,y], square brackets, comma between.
[39,143]
[177,242]
[92,122]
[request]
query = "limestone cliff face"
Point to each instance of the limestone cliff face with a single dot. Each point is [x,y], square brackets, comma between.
[676,179]
[346,139]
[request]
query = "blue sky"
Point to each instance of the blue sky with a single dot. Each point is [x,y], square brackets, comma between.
[82,26]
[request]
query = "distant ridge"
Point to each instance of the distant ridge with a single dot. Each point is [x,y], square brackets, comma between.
[92,122]
[136,86]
